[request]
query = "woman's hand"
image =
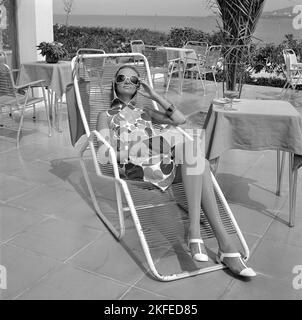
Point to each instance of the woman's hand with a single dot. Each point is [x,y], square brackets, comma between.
[148,92]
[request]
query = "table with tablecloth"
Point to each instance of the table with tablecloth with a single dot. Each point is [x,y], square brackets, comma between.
[56,75]
[256,125]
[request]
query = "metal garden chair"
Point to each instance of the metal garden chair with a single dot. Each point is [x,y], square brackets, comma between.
[207,65]
[18,98]
[158,218]
[196,60]
[137,46]
[292,71]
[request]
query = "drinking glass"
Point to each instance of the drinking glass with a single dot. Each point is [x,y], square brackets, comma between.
[231,94]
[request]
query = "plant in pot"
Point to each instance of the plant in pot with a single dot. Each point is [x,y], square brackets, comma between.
[53,51]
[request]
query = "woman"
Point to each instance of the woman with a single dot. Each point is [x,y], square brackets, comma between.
[143,158]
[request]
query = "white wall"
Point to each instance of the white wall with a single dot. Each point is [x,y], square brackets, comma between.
[35,24]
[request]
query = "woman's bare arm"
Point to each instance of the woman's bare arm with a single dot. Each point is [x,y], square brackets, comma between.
[171,116]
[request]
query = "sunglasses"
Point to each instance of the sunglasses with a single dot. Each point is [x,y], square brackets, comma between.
[122,78]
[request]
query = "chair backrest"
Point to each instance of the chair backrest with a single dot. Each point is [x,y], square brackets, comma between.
[94,93]
[212,57]
[137,46]
[200,49]
[89,50]
[3,57]
[7,85]
[156,58]
[290,58]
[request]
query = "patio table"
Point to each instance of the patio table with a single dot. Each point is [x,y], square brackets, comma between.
[256,125]
[56,75]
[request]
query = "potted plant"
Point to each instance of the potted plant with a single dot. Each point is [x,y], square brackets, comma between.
[53,51]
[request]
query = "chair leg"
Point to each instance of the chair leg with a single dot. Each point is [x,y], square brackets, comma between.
[47,112]
[34,106]
[293,173]
[20,126]
[280,168]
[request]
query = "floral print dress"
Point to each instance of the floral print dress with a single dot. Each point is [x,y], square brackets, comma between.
[155,162]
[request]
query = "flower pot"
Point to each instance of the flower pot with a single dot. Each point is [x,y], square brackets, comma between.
[50,59]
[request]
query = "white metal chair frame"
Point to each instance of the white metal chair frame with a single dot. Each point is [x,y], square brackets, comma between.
[197,59]
[292,71]
[137,46]
[207,65]
[121,185]
[10,97]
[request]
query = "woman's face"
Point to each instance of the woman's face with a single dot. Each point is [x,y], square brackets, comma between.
[126,82]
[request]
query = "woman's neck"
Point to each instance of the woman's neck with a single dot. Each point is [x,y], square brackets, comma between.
[125,98]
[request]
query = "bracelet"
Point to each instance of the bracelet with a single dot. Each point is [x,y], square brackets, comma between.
[170,110]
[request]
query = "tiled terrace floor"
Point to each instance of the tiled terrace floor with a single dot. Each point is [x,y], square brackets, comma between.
[54,246]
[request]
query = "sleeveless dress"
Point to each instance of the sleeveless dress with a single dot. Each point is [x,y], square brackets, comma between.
[155,162]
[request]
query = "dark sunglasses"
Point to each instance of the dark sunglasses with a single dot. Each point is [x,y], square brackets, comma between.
[121,78]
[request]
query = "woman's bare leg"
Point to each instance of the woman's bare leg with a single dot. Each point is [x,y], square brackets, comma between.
[211,211]
[199,189]
[193,190]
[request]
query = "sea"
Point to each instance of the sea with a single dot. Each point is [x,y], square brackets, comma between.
[269,29]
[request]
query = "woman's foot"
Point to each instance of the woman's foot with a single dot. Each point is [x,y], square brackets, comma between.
[235,263]
[197,249]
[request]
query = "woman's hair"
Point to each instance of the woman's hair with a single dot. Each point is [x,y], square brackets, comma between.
[126,66]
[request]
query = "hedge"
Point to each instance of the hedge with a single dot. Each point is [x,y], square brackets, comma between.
[266,57]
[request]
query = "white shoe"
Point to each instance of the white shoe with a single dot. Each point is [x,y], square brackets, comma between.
[246,272]
[202,257]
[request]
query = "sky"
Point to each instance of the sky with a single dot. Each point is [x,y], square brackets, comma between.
[153,7]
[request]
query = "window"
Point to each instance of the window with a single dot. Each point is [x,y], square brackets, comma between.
[8,31]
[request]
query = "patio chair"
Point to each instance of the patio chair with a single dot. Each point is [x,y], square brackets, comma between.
[195,60]
[18,98]
[137,46]
[158,62]
[292,71]
[208,65]
[159,219]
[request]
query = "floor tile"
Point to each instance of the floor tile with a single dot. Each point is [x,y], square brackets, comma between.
[251,220]
[47,200]
[264,288]
[56,239]
[276,259]
[14,220]
[138,294]
[72,284]
[12,187]
[24,269]
[112,258]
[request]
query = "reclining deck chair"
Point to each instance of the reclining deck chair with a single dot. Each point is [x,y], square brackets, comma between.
[158,218]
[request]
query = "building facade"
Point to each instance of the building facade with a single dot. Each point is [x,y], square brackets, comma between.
[23,25]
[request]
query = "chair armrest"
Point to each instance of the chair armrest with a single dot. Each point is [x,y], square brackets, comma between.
[297,66]
[30,84]
[174,60]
